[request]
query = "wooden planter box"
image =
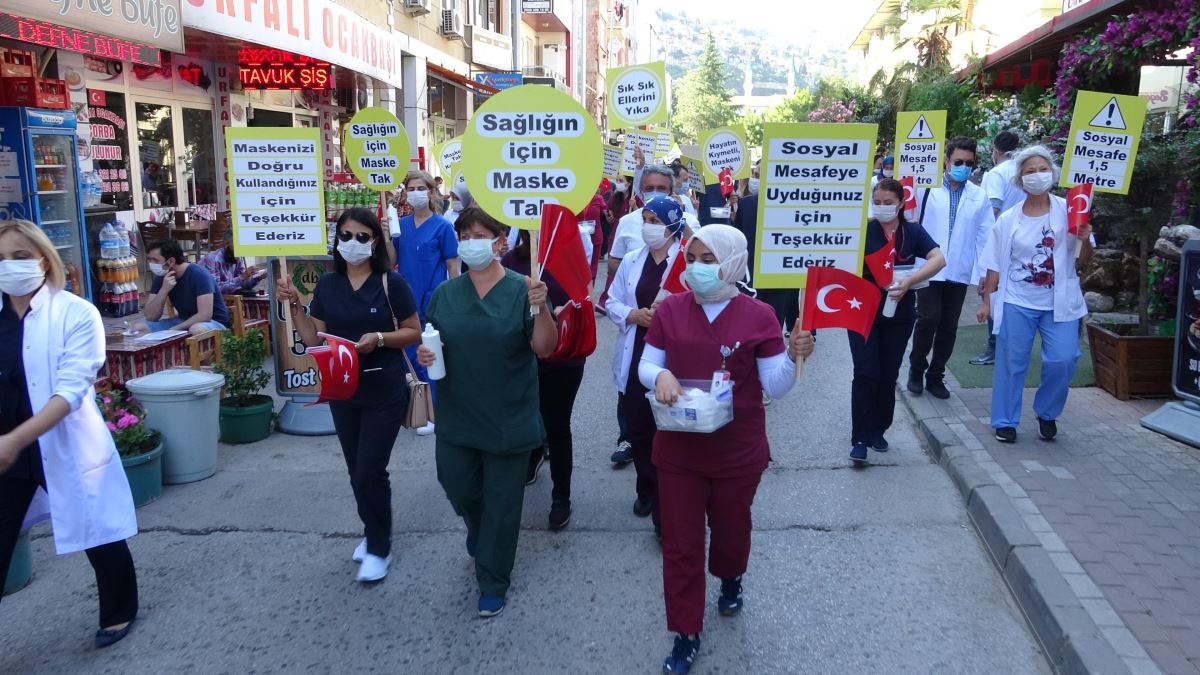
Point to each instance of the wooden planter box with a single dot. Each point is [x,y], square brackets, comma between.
[1131,365]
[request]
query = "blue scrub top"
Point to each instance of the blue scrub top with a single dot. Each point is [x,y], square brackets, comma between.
[422,253]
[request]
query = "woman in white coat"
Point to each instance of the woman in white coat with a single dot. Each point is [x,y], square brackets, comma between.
[52,436]
[632,299]
[1032,287]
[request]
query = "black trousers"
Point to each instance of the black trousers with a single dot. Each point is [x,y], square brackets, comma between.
[938,308]
[116,579]
[785,302]
[876,368]
[367,433]
[639,431]
[557,389]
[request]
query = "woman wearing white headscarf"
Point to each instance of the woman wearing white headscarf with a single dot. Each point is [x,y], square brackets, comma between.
[1032,287]
[710,328]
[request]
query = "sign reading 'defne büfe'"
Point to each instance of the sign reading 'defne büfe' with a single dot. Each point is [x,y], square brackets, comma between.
[157,23]
[275,191]
[527,147]
[812,206]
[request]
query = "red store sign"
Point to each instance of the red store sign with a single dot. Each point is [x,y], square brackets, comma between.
[76,40]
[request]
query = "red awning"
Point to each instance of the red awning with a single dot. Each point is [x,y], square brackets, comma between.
[1047,40]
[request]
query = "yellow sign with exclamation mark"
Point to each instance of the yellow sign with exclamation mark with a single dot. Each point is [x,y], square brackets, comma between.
[1103,142]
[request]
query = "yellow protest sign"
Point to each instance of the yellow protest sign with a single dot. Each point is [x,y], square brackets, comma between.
[1103,143]
[633,140]
[637,95]
[612,161]
[812,206]
[920,137]
[725,148]
[527,147]
[377,149]
[448,155]
[275,192]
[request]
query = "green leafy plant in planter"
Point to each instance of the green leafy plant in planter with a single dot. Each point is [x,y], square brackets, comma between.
[140,448]
[245,413]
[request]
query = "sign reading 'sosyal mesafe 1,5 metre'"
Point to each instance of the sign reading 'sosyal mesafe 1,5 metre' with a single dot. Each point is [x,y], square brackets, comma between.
[275,191]
[920,137]
[527,147]
[1103,141]
[812,206]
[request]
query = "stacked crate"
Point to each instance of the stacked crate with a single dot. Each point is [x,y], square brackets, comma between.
[20,85]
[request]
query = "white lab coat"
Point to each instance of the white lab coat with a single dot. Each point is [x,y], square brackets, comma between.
[89,500]
[1069,303]
[622,299]
[972,223]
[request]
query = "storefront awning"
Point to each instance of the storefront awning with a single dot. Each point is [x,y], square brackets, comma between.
[1047,40]
[469,84]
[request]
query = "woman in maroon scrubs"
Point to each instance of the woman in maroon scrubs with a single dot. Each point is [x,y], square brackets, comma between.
[693,334]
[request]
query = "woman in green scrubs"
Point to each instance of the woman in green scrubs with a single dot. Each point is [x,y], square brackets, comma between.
[487,405]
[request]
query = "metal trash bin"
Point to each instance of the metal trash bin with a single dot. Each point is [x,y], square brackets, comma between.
[184,406]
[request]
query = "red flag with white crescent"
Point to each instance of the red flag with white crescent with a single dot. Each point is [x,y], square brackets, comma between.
[835,298]
[882,264]
[673,280]
[1079,207]
[910,193]
[337,367]
[726,179]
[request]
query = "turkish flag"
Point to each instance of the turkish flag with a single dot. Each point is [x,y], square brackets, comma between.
[834,298]
[337,366]
[560,252]
[882,264]
[673,280]
[910,193]
[726,178]
[1079,207]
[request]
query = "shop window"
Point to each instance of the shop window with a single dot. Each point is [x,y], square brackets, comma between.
[442,99]
[110,147]
[156,151]
[199,160]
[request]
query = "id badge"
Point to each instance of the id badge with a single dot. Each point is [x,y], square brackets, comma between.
[720,381]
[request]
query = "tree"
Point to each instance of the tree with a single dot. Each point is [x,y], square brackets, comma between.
[701,100]
[932,40]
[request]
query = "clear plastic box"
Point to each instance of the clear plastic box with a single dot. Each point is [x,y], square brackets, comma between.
[699,413]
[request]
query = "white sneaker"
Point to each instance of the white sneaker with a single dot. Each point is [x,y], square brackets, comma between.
[426,430]
[360,551]
[373,568]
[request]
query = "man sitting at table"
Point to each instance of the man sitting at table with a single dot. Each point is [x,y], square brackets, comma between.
[229,271]
[192,291]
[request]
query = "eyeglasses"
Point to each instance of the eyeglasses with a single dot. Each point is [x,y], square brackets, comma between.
[969,162]
[360,237]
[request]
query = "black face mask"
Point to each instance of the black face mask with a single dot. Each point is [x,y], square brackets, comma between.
[230,258]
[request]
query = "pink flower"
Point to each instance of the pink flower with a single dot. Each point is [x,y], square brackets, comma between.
[111,426]
[107,400]
[127,421]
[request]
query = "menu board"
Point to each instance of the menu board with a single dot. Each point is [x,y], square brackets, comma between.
[110,147]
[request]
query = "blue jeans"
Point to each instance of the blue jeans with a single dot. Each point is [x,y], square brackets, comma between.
[168,324]
[1060,353]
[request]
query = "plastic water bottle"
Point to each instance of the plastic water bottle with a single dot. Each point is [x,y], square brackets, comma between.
[110,244]
[122,240]
[432,340]
[889,305]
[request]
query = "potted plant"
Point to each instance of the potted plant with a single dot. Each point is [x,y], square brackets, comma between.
[246,413]
[140,448]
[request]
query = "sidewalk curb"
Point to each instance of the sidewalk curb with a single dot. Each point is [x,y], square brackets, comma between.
[1072,641]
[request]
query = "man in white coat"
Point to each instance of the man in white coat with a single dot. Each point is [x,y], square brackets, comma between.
[959,217]
[1001,188]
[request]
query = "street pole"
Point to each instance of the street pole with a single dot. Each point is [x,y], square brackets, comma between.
[515,17]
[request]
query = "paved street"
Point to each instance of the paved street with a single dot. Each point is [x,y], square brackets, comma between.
[853,571]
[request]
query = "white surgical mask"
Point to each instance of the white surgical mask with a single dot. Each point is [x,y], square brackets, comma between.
[157,269]
[476,253]
[418,199]
[885,213]
[654,234]
[621,187]
[754,184]
[354,252]
[1037,183]
[888,173]
[21,277]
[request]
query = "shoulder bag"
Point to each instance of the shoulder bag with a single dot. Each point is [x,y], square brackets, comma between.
[420,399]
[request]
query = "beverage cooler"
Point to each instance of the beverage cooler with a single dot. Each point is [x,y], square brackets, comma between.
[39,181]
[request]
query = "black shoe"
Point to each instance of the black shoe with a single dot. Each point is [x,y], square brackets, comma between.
[623,454]
[987,358]
[916,383]
[1006,435]
[106,637]
[730,603]
[642,508]
[879,443]
[1047,429]
[937,389]
[858,454]
[682,656]
[560,513]
[535,466]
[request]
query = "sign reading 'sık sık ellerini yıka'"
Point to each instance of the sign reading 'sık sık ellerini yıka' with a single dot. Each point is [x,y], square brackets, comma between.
[812,207]
[275,193]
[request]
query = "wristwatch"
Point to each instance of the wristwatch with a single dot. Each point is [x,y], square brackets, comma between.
[379,339]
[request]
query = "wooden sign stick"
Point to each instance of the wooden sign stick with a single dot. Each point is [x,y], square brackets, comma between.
[287,304]
[800,322]
[534,268]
